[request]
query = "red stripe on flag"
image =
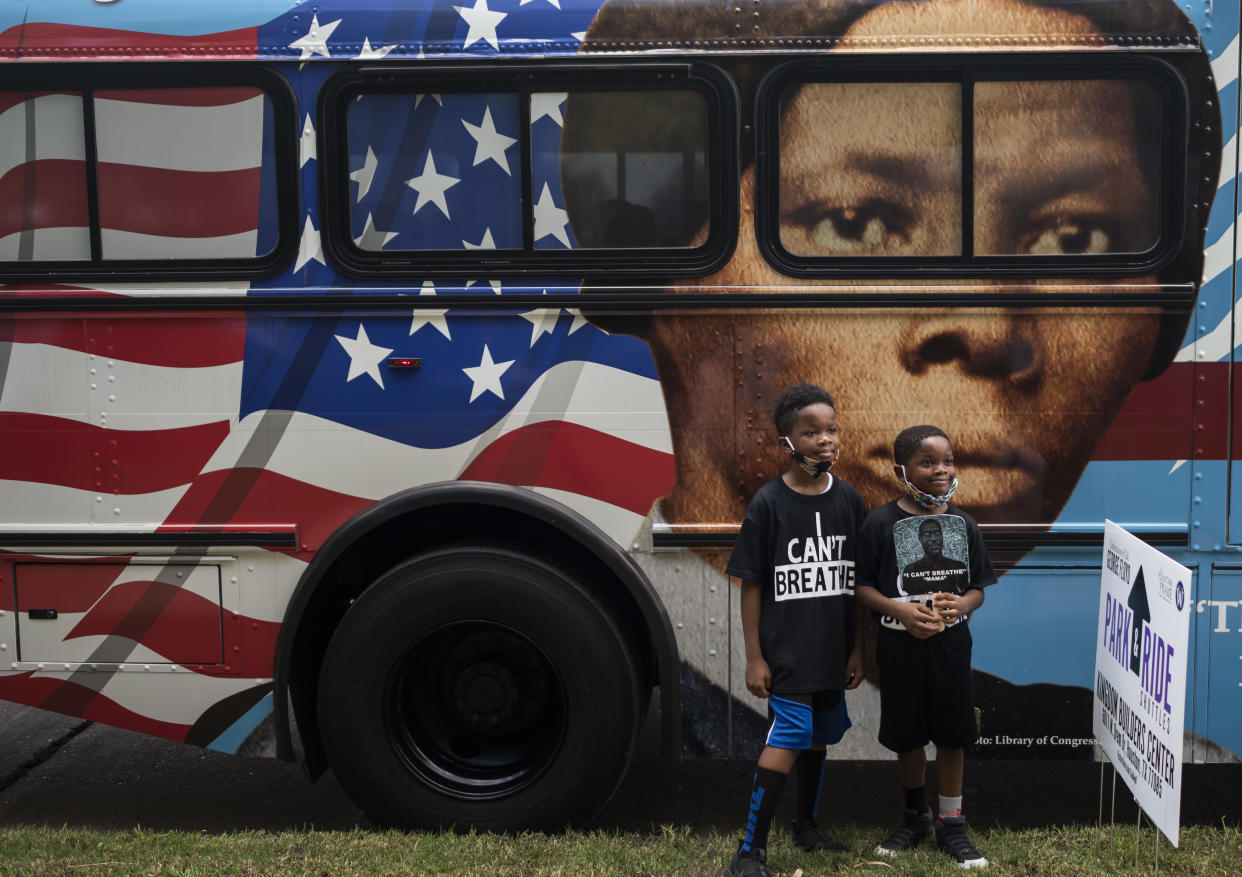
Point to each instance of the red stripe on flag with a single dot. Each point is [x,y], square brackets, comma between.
[573,458]
[60,290]
[49,193]
[255,652]
[243,498]
[10,99]
[53,450]
[188,340]
[182,96]
[63,42]
[175,623]
[71,699]
[183,340]
[67,333]
[67,586]
[180,204]
[1157,421]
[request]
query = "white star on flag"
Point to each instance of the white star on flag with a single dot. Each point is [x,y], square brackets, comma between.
[550,219]
[310,246]
[431,187]
[488,243]
[364,357]
[578,322]
[486,375]
[556,3]
[316,40]
[489,143]
[365,174]
[306,146]
[541,321]
[430,317]
[369,54]
[494,284]
[482,23]
[547,103]
[371,237]
[418,99]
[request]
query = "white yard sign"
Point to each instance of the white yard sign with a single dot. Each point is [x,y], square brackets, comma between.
[1140,672]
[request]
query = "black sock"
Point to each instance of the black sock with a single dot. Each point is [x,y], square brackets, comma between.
[809,769]
[913,798]
[762,807]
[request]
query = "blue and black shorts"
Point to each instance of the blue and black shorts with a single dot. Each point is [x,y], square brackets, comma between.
[801,720]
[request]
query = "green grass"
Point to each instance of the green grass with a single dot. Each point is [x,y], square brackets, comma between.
[667,850]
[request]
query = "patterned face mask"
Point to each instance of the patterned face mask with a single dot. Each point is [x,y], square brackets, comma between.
[928,501]
[814,468]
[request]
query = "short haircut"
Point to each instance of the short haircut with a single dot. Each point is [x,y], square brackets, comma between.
[794,399]
[908,440]
[930,524]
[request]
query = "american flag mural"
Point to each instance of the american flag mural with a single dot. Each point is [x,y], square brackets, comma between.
[268,420]
[292,422]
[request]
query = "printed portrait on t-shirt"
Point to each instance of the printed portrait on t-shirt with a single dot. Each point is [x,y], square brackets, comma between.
[931,555]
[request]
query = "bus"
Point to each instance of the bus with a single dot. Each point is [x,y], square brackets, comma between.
[383,382]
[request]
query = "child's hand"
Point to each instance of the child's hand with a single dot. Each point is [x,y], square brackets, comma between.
[947,606]
[918,619]
[854,669]
[758,677]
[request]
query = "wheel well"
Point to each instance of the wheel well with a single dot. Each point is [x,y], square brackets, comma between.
[381,547]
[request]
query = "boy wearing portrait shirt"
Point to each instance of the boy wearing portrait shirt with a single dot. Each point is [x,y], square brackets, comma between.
[921,569]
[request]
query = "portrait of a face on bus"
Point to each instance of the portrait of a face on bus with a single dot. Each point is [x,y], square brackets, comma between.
[1002,182]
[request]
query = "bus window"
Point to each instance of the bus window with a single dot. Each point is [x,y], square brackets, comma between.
[180,173]
[980,170]
[452,173]
[890,187]
[43,209]
[408,152]
[103,180]
[647,180]
[1092,142]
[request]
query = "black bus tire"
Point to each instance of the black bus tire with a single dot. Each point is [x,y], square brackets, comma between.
[478,687]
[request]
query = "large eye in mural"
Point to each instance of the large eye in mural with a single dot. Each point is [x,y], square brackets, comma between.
[1060,169]
[871,169]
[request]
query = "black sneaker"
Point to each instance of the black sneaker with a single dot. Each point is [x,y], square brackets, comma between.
[908,835]
[809,837]
[951,837]
[752,863]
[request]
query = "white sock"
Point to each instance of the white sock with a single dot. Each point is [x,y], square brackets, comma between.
[950,807]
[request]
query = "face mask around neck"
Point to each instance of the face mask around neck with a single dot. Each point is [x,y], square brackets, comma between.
[814,468]
[924,500]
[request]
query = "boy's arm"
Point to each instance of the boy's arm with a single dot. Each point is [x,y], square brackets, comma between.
[758,674]
[854,665]
[914,617]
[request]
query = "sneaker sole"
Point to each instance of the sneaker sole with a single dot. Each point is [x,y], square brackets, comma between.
[973,863]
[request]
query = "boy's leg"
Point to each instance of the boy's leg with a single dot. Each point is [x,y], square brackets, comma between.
[829,724]
[903,729]
[916,823]
[953,729]
[789,735]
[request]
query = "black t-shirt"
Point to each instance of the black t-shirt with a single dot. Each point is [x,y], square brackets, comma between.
[800,549]
[910,557]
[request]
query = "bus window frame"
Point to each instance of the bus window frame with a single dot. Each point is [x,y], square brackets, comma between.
[523,79]
[94,77]
[967,69]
